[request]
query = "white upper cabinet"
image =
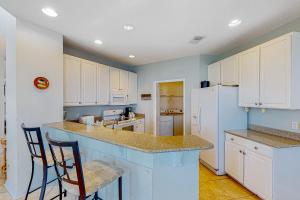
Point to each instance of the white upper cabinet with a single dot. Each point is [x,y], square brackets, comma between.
[118,79]
[214,74]
[88,82]
[278,83]
[124,80]
[72,77]
[103,90]
[230,71]
[249,78]
[114,78]
[132,88]
[275,72]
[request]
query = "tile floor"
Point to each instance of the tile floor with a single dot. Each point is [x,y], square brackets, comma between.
[212,187]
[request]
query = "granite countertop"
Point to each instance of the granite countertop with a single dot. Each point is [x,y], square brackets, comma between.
[142,142]
[266,138]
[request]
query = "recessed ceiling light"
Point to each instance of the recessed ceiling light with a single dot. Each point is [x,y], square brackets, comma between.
[131,56]
[128,27]
[234,23]
[98,42]
[49,12]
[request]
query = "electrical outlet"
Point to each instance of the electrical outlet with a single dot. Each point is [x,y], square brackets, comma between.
[295,125]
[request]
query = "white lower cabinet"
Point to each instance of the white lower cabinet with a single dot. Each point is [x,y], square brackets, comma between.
[234,164]
[250,164]
[258,174]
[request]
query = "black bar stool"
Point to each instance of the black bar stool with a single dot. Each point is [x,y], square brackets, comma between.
[84,180]
[43,158]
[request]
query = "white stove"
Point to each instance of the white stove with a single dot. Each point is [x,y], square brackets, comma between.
[112,119]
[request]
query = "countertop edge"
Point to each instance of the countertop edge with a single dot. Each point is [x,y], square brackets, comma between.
[131,147]
[264,143]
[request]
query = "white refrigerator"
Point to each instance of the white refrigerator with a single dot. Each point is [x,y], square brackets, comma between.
[215,109]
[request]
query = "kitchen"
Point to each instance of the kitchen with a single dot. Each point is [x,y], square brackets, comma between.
[107,90]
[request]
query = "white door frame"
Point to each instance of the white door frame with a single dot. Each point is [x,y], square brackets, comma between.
[155,83]
[2,81]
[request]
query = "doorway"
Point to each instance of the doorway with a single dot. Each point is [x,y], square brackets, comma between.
[169,108]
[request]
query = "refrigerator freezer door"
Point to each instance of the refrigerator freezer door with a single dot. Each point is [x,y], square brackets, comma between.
[208,123]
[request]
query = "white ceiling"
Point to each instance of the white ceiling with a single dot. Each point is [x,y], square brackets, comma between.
[163,28]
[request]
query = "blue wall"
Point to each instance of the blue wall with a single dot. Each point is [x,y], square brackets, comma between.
[193,69]
[280,119]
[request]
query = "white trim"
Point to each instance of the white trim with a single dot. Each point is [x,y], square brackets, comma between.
[154,103]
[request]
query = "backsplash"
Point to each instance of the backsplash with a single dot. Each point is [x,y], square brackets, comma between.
[78,111]
[275,118]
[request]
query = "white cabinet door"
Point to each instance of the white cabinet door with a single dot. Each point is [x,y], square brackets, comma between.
[214,74]
[123,80]
[258,174]
[230,71]
[234,161]
[72,85]
[103,85]
[88,82]
[114,78]
[132,88]
[249,78]
[275,73]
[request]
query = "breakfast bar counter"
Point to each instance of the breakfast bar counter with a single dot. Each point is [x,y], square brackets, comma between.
[157,167]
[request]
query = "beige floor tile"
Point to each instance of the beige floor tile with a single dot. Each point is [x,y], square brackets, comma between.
[214,187]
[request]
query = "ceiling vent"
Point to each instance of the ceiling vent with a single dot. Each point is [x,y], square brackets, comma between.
[196,39]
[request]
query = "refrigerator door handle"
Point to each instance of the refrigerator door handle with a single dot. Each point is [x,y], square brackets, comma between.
[199,120]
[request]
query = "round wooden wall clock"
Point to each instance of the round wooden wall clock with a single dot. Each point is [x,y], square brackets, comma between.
[41,83]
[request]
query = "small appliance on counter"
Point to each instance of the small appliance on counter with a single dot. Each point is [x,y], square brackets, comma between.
[88,120]
[205,84]
[127,111]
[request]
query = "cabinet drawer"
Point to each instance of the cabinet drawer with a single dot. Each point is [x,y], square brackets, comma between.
[259,148]
[251,145]
[235,139]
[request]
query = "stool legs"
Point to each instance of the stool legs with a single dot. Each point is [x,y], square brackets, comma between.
[31,177]
[44,184]
[120,187]
[59,183]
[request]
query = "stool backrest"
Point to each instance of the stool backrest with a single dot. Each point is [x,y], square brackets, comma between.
[63,145]
[35,142]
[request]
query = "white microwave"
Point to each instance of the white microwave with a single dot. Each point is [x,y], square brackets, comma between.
[119,98]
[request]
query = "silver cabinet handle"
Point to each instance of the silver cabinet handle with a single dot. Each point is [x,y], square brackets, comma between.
[241,151]
[79,102]
[244,153]
[256,148]
[232,139]
[256,103]
[260,103]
